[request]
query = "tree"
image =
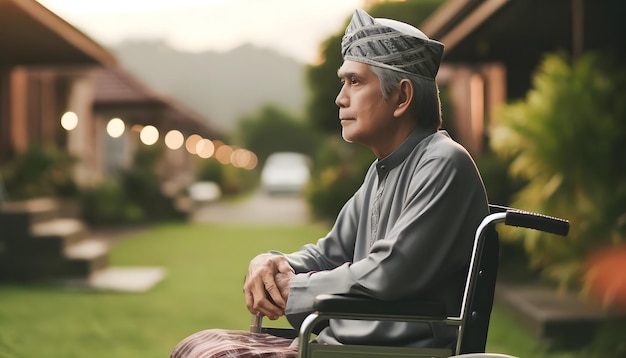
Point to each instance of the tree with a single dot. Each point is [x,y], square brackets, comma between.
[566,141]
[322,112]
[272,129]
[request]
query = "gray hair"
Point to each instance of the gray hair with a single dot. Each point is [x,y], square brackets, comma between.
[426,104]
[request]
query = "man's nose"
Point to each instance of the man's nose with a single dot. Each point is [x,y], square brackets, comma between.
[342,99]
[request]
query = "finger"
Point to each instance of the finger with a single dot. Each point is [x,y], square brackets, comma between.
[259,301]
[273,292]
[271,311]
[268,309]
[250,302]
[253,292]
[284,267]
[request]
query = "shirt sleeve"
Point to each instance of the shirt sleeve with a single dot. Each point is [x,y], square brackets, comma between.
[337,247]
[334,249]
[423,246]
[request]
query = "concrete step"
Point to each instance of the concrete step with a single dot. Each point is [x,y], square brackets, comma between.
[86,257]
[87,249]
[40,209]
[120,279]
[17,217]
[24,268]
[58,227]
[58,233]
[77,261]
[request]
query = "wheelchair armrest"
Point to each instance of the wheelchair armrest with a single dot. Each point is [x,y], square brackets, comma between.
[359,305]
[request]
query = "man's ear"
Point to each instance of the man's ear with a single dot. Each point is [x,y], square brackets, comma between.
[405,97]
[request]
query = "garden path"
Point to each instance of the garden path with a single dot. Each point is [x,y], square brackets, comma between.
[260,208]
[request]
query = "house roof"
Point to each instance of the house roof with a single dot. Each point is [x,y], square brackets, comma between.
[118,93]
[33,35]
[518,33]
[506,30]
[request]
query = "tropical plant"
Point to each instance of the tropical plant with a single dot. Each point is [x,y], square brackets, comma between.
[566,140]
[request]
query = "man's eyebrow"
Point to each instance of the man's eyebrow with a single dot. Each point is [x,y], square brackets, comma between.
[346,74]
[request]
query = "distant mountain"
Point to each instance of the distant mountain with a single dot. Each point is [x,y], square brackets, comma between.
[220,86]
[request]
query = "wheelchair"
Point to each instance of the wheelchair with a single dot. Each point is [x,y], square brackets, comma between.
[472,322]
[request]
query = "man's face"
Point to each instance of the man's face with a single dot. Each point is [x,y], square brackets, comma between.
[366,118]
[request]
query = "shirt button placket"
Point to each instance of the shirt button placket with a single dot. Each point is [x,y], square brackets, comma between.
[376,207]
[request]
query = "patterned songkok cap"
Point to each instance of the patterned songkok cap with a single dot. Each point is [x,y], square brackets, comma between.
[391,44]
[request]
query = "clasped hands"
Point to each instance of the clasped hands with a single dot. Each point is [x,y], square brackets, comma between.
[266,287]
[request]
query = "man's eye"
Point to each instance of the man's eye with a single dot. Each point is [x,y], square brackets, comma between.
[354,81]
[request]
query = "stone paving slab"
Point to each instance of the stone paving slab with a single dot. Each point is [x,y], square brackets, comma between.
[120,279]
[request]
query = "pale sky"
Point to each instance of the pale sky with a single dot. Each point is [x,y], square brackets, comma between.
[293,27]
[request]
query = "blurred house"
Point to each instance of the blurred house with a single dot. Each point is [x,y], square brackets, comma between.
[118,94]
[34,42]
[49,68]
[493,47]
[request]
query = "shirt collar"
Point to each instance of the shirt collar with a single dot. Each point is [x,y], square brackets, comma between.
[385,165]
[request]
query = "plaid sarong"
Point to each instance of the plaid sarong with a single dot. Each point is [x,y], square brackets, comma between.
[220,343]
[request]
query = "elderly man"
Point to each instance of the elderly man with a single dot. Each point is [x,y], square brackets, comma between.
[408,230]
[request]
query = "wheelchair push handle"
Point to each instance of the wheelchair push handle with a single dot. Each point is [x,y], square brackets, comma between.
[526,219]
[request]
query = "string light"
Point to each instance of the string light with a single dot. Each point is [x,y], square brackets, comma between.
[149,135]
[174,139]
[116,127]
[69,121]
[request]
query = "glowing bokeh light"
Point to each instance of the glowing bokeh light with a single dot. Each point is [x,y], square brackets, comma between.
[217,143]
[174,139]
[205,148]
[149,135]
[240,158]
[116,127]
[69,121]
[222,154]
[252,163]
[191,143]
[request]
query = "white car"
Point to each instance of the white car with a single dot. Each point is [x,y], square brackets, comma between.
[285,172]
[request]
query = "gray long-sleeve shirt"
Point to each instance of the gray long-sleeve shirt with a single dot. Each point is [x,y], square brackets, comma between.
[417,244]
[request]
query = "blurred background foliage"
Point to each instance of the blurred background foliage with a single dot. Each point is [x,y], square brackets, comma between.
[231,181]
[39,171]
[565,142]
[273,129]
[132,196]
[563,147]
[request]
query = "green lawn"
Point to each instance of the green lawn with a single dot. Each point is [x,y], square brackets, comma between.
[205,265]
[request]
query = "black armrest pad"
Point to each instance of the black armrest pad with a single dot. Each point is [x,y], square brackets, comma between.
[364,305]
